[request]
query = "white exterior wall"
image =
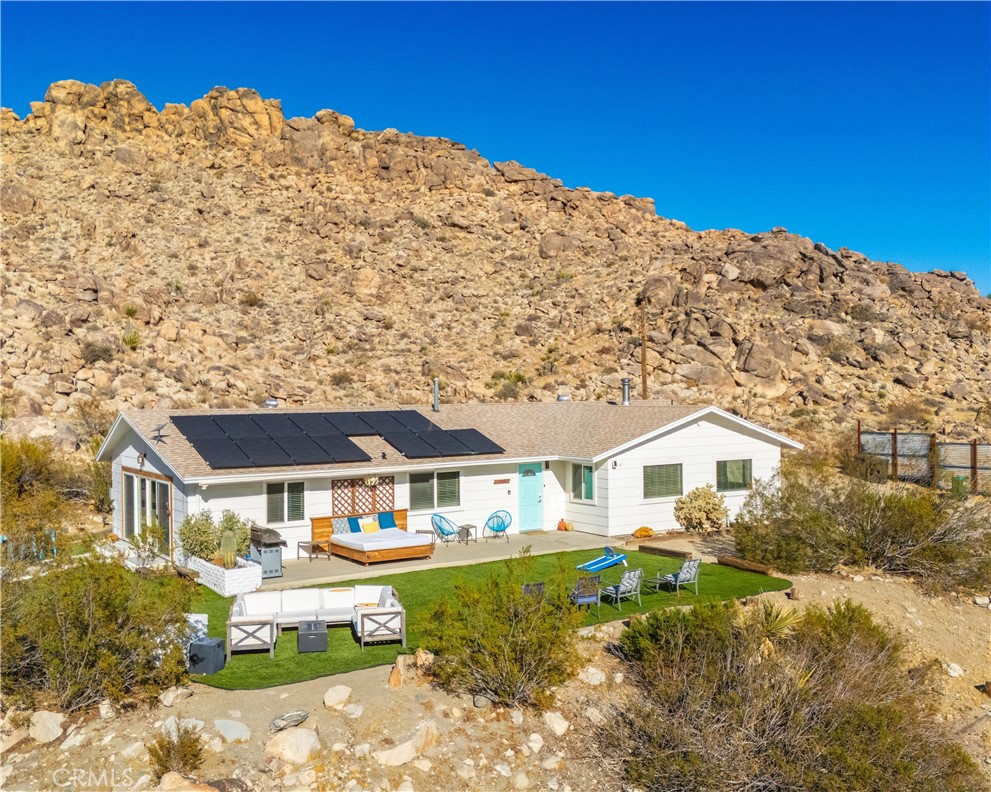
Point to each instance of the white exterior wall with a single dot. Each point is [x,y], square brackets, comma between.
[697,448]
[588,516]
[130,446]
[480,496]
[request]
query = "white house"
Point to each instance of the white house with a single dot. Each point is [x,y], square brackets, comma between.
[608,468]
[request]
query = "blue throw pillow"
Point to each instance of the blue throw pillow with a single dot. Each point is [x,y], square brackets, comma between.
[354,525]
[387,519]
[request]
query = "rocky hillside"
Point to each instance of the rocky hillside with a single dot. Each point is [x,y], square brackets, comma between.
[220,253]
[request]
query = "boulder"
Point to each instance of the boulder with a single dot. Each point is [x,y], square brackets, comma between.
[591,675]
[46,726]
[293,718]
[556,722]
[336,697]
[294,745]
[232,731]
[174,695]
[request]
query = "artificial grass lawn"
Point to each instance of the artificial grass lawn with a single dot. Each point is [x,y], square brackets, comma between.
[418,591]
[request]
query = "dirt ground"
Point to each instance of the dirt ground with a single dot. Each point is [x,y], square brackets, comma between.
[481,748]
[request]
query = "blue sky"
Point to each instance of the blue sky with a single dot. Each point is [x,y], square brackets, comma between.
[863,125]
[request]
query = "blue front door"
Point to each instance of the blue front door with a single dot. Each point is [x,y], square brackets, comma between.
[531,496]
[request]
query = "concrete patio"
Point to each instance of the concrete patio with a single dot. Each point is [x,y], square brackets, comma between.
[304,572]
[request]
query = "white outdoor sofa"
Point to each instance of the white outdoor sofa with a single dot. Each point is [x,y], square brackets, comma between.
[258,617]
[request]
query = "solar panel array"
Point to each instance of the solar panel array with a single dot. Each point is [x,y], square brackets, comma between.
[278,440]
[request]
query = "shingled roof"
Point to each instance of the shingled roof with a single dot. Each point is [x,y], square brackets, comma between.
[527,431]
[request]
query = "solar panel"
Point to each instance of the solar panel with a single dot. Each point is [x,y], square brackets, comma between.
[238,426]
[350,424]
[445,444]
[477,442]
[221,453]
[341,448]
[414,421]
[409,445]
[304,451]
[277,426]
[382,422]
[198,427]
[263,451]
[313,424]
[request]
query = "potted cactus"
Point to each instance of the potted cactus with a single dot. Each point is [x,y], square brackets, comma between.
[228,549]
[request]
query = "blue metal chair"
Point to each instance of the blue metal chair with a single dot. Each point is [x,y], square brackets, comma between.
[497,524]
[446,529]
[586,591]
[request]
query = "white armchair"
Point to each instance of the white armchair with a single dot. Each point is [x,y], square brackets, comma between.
[246,633]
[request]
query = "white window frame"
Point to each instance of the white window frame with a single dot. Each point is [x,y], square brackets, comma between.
[433,481]
[660,498]
[571,489]
[145,500]
[750,484]
[285,502]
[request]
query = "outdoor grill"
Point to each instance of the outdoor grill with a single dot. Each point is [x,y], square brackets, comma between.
[266,550]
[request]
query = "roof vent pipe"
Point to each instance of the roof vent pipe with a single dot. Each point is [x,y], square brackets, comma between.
[563,397]
[626,391]
[270,403]
[436,394]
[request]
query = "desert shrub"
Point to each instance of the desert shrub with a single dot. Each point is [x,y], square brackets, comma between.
[93,417]
[90,631]
[868,467]
[804,519]
[38,487]
[199,534]
[341,378]
[492,639]
[251,299]
[702,509]
[762,699]
[96,353]
[179,752]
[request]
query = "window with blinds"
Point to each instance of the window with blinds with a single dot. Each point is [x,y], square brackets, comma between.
[662,481]
[448,489]
[421,491]
[285,502]
[733,474]
[582,478]
[294,500]
[434,490]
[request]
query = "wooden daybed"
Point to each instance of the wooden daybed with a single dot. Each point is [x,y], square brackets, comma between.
[322,534]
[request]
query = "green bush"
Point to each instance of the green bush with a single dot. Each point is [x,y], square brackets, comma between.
[493,640]
[181,752]
[702,509]
[736,698]
[807,519]
[38,490]
[199,534]
[91,631]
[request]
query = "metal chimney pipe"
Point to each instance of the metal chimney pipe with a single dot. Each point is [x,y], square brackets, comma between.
[626,391]
[436,394]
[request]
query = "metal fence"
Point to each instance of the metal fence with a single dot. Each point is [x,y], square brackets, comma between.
[920,458]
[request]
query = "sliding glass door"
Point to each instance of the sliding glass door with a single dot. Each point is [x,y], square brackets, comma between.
[146,502]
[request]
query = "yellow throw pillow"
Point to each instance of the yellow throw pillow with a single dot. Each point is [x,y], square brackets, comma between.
[370,527]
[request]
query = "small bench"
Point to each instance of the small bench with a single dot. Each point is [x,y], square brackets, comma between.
[312,548]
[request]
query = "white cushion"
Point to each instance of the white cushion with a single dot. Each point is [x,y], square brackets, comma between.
[300,600]
[367,595]
[261,602]
[336,598]
[335,615]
